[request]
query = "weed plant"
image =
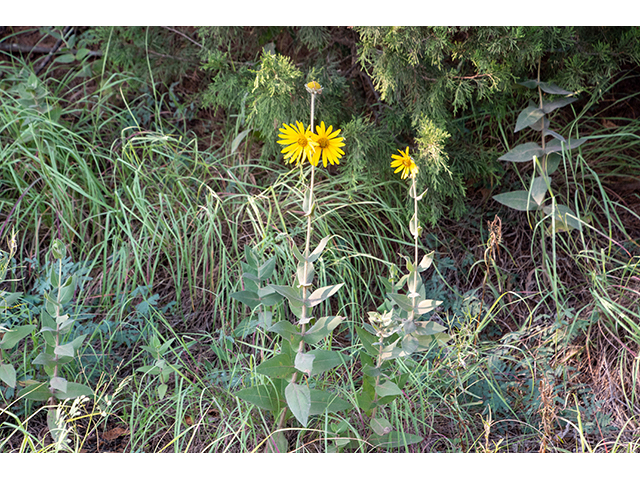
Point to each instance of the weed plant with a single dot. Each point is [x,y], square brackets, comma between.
[160,233]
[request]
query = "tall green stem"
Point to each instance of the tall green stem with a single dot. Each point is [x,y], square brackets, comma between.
[307,250]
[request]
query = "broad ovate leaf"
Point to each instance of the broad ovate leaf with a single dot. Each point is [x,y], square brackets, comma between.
[299,401]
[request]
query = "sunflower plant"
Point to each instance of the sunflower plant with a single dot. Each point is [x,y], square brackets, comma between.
[545,157]
[292,369]
[397,329]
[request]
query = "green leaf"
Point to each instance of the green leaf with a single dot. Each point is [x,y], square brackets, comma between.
[325,360]
[414,226]
[518,200]
[74,390]
[556,145]
[238,140]
[388,388]
[8,375]
[66,58]
[250,257]
[566,219]
[46,360]
[553,89]
[426,262]
[162,390]
[263,396]
[402,301]
[539,189]
[58,383]
[294,295]
[266,269]
[277,443]
[323,327]
[555,104]
[529,83]
[7,299]
[381,426]
[322,294]
[65,350]
[523,153]
[36,391]
[396,439]
[287,331]
[429,328]
[426,341]
[318,250]
[305,278]
[367,340]
[304,362]
[528,117]
[308,203]
[426,306]
[59,251]
[251,299]
[299,401]
[67,290]
[149,370]
[279,366]
[13,336]
[322,401]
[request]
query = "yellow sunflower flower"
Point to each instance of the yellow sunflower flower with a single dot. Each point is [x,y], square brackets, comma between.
[328,145]
[405,163]
[300,145]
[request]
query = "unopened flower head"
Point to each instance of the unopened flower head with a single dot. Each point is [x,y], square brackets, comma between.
[328,145]
[313,88]
[404,163]
[299,143]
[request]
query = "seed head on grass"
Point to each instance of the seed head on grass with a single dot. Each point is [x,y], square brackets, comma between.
[404,163]
[299,144]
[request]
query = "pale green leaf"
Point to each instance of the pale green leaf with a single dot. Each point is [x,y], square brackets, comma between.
[13,336]
[263,396]
[325,360]
[380,426]
[58,383]
[299,401]
[402,301]
[319,249]
[322,401]
[8,374]
[279,366]
[556,145]
[249,298]
[523,153]
[559,103]
[518,200]
[36,391]
[553,89]
[294,295]
[323,327]
[162,390]
[74,390]
[322,294]
[426,306]
[387,389]
[65,350]
[238,140]
[539,189]
[304,274]
[304,362]
[528,117]
[396,439]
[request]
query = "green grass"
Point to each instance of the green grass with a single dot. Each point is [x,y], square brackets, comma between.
[159,227]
